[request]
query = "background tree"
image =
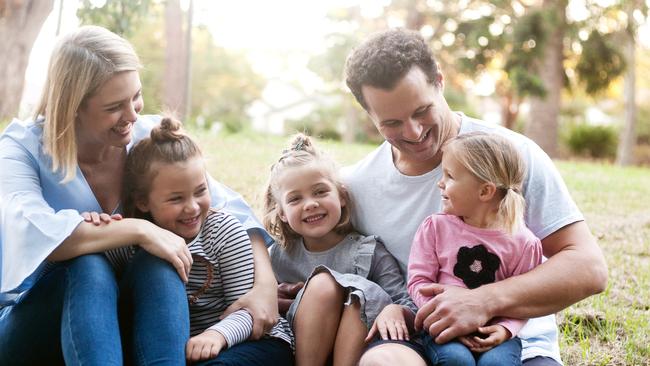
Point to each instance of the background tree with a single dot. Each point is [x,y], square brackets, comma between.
[120,16]
[20,23]
[223,83]
[628,137]
[175,76]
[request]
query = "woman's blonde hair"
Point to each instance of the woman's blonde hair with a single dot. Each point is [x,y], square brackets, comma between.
[301,152]
[168,144]
[81,63]
[493,158]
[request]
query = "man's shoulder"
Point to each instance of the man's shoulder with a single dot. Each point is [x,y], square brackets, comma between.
[370,164]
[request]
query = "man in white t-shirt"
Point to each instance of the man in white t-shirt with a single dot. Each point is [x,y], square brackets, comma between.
[394,77]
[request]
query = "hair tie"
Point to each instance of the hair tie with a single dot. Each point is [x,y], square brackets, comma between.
[299,147]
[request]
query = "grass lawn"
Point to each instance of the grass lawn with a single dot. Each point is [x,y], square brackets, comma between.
[612,328]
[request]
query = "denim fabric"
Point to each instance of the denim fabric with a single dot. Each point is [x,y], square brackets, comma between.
[154,313]
[71,315]
[265,352]
[455,353]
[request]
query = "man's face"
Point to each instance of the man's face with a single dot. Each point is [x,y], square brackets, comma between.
[414,118]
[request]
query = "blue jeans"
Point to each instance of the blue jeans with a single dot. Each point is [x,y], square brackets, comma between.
[70,316]
[455,353]
[265,352]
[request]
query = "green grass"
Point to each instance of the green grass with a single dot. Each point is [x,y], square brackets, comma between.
[612,328]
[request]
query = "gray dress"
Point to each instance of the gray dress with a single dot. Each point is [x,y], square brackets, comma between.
[360,264]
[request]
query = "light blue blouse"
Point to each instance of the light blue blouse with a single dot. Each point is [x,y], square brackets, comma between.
[37,212]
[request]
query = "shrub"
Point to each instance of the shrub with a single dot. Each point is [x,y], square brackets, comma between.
[593,141]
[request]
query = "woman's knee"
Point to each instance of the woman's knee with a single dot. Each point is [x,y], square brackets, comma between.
[90,271]
[147,266]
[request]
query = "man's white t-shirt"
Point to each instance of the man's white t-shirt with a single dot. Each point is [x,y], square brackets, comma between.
[392,205]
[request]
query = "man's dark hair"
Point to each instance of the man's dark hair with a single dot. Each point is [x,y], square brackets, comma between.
[384,59]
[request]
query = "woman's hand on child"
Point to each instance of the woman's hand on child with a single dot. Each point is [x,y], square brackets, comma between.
[167,246]
[287,294]
[495,335]
[204,346]
[98,218]
[390,324]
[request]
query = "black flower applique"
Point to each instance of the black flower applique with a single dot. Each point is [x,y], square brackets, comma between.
[476,266]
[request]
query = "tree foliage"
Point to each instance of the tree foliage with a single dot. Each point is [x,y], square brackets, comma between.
[120,16]
[223,83]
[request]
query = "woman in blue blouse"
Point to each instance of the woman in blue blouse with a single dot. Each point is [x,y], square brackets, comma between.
[59,296]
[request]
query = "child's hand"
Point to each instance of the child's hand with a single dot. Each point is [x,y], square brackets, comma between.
[495,335]
[391,324]
[204,346]
[99,218]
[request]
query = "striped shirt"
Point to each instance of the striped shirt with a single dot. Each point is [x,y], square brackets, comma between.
[223,270]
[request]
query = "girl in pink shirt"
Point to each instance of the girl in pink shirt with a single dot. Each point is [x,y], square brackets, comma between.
[479,238]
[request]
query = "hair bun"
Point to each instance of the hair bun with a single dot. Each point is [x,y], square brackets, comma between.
[169,129]
[301,142]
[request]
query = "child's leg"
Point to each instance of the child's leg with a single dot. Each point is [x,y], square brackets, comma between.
[507,353]
[350,336]
[317,320]
[449,354]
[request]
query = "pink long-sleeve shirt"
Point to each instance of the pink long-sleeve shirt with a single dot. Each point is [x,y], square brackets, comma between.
[436,253]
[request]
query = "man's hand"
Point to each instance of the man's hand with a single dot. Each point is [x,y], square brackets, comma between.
[494,336]
[261,304]
[286,294]
[391,324]
[452,312]
[204,346]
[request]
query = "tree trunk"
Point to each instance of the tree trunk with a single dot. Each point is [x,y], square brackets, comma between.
[20,23]
[542,126]
[175,70]
[625,153]
[509,110]
[188,63]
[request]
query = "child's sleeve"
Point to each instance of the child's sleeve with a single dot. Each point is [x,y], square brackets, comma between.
[531,254]
[531,257]
[233,254]
[386,273]
[235,328]
[423,262]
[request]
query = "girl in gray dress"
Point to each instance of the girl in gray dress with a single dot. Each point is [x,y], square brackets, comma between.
[353,288]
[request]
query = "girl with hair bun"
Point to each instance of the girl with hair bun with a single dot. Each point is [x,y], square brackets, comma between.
[479,238]
[353,288]
[165,182]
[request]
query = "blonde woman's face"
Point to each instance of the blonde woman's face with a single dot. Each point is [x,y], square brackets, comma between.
[107,117]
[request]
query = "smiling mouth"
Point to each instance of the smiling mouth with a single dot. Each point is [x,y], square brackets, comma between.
[313,218]
[422,139]
[123,130]
[191,221]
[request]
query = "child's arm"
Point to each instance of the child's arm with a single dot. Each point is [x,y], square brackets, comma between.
[262,300]
[423,262]
[230,248]
[529,257]
[395,321]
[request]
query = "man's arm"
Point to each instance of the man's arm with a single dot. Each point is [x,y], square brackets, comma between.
[575,270]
